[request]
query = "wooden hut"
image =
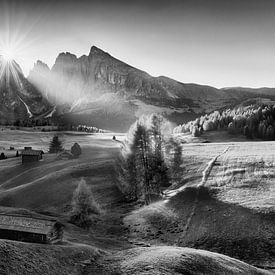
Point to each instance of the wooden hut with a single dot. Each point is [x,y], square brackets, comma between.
[29,229]
[30,155]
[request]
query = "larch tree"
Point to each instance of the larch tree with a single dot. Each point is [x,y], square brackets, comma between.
[83,206]
[55,145]
[143,169]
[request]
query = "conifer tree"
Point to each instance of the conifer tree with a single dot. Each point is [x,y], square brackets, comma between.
[83,206]
[143,172]
[55,145]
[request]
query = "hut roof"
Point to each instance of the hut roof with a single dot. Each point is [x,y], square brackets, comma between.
[26,224]
[31,152]
[65,154]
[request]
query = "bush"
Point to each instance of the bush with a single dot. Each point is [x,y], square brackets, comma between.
[76,150]
[83,206]
[2,156]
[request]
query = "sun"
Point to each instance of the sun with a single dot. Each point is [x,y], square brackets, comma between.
[8,54]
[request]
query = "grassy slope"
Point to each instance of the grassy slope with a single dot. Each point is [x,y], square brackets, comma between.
[47,187]
[176,260]
[234,215]
[26,258]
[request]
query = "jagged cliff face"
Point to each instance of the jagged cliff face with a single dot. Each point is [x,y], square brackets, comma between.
[105,87]
[19,99]
[98,73]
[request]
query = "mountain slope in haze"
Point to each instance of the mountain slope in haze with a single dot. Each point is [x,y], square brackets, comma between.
[99,88]
[19,99]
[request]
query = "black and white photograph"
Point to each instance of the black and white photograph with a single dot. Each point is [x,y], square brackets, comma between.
[137,137]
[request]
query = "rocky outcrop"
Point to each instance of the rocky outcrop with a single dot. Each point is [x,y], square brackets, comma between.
[19,99]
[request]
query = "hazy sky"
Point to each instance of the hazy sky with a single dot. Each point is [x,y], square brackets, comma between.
[215,42]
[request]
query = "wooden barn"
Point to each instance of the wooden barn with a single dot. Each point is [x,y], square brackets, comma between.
[28,229]
[30,155]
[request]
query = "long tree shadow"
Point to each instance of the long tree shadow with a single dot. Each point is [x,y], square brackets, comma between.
[223,227]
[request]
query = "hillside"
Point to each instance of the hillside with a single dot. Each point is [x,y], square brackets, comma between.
[233,215]
[25,258]
[224,203]
[177,260]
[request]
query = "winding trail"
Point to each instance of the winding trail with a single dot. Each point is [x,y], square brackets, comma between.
[205,174]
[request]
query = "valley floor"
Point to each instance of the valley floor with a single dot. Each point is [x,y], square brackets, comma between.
[225,203]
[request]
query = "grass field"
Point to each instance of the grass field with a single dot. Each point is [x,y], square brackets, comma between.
[225,203]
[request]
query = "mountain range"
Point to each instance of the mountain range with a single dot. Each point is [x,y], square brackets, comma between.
[100,90]
[19,98]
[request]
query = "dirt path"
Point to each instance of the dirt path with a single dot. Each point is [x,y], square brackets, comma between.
[205,174]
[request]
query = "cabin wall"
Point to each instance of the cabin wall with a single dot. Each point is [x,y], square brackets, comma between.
[22,236]
[27,159]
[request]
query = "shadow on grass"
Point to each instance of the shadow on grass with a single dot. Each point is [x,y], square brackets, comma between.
[223,227]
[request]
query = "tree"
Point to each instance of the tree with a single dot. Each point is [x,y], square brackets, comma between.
[83,206]
[208,125]
[2,156]
[158,167]
[269,132]
[176,159]
[196,131]
[142,170]
[55,145]
[127,177]
[76,150]
[246,131]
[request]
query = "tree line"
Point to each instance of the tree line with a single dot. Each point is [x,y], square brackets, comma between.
[252,121]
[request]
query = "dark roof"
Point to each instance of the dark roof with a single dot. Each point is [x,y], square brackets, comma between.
[31,152]
[26,224]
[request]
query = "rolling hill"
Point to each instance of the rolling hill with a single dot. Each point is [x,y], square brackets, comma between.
[223,204]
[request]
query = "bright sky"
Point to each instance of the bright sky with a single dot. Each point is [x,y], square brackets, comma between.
[216,42]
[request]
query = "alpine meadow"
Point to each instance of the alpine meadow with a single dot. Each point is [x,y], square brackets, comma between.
[137,137]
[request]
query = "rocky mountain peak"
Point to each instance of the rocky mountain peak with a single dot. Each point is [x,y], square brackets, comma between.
[65,57]
[97,51]
[41,64]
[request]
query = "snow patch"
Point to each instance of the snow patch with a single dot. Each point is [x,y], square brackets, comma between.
[27,107]
[51,113]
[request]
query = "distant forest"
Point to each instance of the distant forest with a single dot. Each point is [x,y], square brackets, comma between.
[252,121]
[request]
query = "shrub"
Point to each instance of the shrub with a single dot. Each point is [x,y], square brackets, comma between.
[76,150]
[2,156]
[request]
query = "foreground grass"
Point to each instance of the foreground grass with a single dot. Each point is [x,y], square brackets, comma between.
[234,216]
[175,260]
[26,258]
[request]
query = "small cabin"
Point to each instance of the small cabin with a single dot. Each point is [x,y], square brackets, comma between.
[29,229]
[30,155]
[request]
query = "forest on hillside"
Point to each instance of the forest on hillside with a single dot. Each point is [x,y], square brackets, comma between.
[252,121]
